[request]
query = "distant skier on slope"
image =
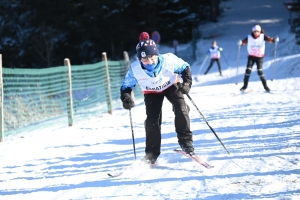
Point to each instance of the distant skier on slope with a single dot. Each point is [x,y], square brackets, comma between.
[158,76]
[256,50]
[215,56]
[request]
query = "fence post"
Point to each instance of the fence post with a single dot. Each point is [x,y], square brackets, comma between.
[70,95]
[127,63]
[126,58]
[1,102]
[108,92]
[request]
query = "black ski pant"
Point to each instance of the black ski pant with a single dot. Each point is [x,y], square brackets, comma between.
[259,63]
[153,103]
[211,64]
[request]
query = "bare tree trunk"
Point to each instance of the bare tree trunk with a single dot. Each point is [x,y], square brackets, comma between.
[214,9]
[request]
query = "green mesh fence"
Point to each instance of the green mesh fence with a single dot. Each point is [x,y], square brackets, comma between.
[35,98]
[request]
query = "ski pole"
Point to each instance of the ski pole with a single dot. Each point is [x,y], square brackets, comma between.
[237,67]
[273,66]
[207,123]
[225,59]
[132,134]
[202,65]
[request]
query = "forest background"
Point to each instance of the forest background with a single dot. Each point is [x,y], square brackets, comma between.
[41,34]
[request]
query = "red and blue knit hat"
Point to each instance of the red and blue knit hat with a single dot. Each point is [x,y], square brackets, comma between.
[146,46]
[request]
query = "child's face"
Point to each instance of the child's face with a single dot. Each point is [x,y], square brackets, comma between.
[256,33]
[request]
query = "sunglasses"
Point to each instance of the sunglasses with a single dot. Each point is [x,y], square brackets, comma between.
[151,57]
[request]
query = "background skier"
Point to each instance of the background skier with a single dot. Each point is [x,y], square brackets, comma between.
[158,76]
[215,55]
[256,50]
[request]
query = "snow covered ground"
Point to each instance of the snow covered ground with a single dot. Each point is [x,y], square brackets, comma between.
[261,131]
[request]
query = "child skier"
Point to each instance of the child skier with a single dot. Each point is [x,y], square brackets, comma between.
[158,76]
[215,56]
[256,50]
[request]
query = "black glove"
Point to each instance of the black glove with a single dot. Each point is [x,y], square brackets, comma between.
[128,102]
[184,87]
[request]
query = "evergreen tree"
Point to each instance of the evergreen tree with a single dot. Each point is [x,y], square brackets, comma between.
[37,34]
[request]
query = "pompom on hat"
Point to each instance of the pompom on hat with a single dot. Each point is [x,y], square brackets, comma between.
[146,46]
[256,28]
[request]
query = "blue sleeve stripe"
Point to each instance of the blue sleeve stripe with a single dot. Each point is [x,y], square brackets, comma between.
[129,80]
